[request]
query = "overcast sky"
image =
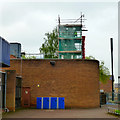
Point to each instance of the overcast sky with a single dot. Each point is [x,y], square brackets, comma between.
[27,22]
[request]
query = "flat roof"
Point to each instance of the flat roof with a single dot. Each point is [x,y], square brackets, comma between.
[15,43]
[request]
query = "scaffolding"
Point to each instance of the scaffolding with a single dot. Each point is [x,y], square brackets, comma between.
[71,42]
[70,31]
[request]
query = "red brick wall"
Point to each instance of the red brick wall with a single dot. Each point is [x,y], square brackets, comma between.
[76,80]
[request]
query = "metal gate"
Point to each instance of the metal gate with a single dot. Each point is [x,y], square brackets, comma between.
[3,90]
[102,99]
[18,92]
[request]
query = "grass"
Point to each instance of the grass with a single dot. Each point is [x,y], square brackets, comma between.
[117,111]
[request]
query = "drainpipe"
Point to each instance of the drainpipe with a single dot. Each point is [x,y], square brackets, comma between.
[5,87]
[6,109]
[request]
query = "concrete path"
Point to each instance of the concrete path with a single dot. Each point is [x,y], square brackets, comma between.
[68,113]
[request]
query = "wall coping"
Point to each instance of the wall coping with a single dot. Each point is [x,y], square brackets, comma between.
[53,60]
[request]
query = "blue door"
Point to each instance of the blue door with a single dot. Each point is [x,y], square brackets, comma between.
[46,103]
[39,102]
[53,102]
[61,103]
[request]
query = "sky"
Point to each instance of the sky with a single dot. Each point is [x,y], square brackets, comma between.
[27,23]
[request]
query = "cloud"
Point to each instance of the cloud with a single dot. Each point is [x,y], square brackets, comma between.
[27,22]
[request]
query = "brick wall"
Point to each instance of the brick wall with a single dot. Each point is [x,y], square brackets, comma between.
[76,80]
[10,89]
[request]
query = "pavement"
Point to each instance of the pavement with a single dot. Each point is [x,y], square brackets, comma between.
[66,113]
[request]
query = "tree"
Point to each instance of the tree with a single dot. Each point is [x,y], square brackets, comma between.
[50,46]
[103,70]
[104,73]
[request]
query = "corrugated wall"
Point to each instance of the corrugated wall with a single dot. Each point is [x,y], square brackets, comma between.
[4,52]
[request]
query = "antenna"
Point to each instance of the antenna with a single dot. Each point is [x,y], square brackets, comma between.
[81,21]
[81,18]
[59,19]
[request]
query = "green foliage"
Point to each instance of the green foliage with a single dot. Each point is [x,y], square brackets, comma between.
[29,57]
[117,111]
[50,46]
[103,70]
[90,57]
[104,73]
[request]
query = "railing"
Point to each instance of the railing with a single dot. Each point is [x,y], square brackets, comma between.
[65,47]
[113,111]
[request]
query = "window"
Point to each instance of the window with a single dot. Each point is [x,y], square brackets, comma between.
[78,33]
[66,28]
[71,56]
[62,56]
[79,57]
[78,46]
[74,28]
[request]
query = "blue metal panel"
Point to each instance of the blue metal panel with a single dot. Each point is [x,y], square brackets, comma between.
[39,102]
[61,104]
[53,102]
[4,52]
[46,103]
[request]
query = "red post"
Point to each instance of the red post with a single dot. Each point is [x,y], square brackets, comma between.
[83,47]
